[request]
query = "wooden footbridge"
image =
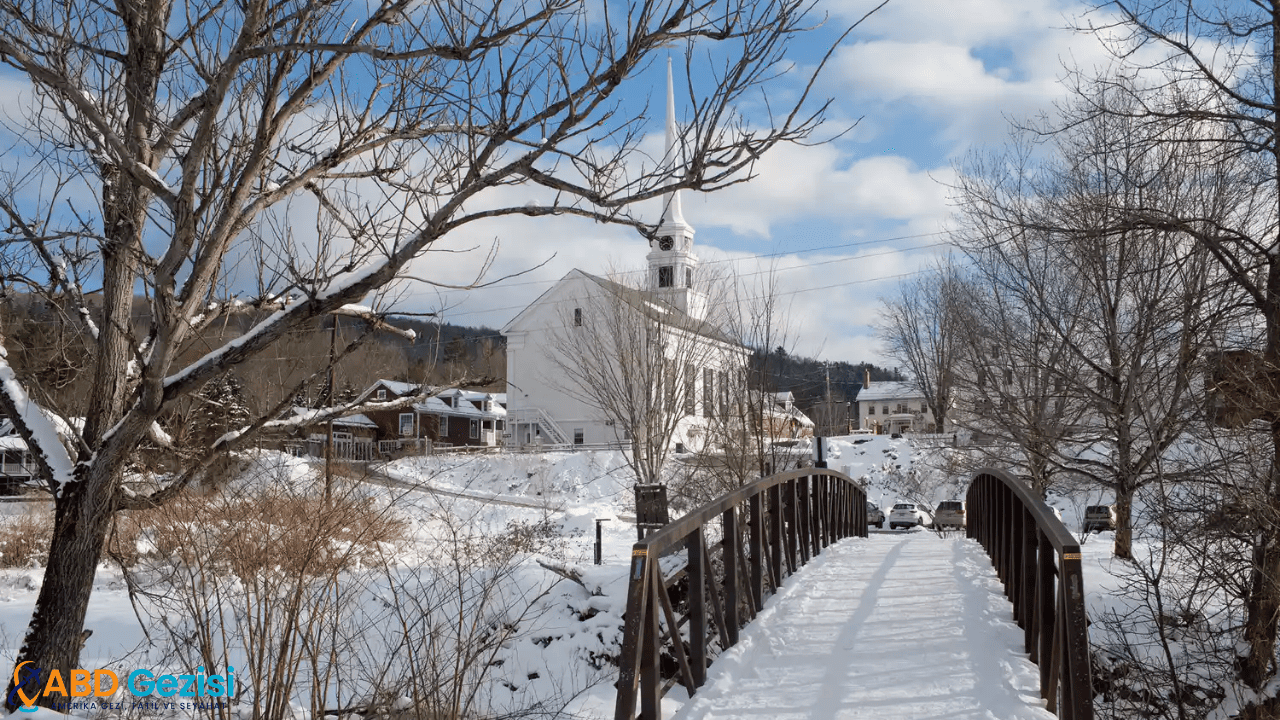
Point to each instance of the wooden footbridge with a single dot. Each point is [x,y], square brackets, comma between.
[697,585]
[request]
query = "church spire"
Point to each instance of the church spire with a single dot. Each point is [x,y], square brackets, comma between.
[671,211]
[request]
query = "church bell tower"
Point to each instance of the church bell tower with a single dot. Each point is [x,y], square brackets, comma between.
[673,268]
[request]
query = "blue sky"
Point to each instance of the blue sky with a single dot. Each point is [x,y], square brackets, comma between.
[918,86]
[930,80]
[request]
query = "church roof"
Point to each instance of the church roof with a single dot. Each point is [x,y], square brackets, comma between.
[652,305]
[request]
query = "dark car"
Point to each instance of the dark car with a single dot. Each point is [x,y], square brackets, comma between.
[950,514]
[875,516]
[1099,517]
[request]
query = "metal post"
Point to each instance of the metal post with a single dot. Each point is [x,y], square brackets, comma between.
[599,544]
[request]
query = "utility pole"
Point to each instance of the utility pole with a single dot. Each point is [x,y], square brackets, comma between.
[328,446]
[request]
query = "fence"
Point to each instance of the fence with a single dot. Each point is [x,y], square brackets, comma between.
[688,597]
[1038,560]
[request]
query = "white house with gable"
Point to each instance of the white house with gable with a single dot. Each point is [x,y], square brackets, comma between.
[888,407]
[540,410]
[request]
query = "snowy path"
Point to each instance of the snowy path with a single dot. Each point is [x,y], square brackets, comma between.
[902,625]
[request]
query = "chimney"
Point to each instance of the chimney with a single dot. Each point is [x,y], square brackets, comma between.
[866,378]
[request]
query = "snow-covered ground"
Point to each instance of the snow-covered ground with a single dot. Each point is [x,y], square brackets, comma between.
[903,624]
[556,634]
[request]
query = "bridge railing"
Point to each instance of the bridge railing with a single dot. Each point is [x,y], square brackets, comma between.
[1038,560]
[696,582]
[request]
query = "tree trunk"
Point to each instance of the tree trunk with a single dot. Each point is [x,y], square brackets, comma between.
[55,634]
[1124,523]
[1263,606]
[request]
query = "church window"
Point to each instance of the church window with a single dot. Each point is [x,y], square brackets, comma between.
[688,277]
[666,276]
[708,391]
[690,390]
[577,316]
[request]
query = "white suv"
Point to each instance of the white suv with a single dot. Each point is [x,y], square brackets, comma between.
[906,514]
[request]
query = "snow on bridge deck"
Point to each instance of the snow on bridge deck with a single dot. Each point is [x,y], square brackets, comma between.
[903,625]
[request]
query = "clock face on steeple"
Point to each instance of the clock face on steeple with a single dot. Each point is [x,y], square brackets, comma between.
[666,243]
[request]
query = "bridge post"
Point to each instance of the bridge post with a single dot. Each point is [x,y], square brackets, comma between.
[775,536]
[792,527]
[1044,609]
[1030,566]
[756,522]
[731,559]
[806,519]
[697,608]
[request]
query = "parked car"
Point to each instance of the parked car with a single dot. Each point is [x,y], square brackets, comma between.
[950,514]
[1099,517]
[875,516]
[906,514]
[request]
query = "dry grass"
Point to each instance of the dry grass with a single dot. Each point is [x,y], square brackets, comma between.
[24,538]
[271,530]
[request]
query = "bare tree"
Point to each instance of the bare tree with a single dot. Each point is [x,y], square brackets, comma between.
[1014,367]
[1206,71]
[920,327]
[175,150]
[639,364]
[1123,314]
[743,438]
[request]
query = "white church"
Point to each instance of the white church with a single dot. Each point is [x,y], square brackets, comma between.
[541,411]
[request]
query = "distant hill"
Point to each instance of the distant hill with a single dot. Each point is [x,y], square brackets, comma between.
[809,379]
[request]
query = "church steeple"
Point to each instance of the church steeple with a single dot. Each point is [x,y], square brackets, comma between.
[672,264]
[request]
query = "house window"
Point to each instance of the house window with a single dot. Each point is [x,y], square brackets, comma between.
[1008,376]
[501,426]
[885,409]
[578,436]
[475,428]
[577,317]
[666,276]
[444,426]
[382,394]
[679,448]
[406,424]
[708,391]
[871,409]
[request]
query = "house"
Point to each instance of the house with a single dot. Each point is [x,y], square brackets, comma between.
[451,418]
[669,308]
[353,437]
[16,464]
[888,407]
[783,419]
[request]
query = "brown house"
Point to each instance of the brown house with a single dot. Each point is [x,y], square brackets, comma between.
[453,418]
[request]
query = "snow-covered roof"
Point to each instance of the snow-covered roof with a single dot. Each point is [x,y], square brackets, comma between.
[791,413]
[437,406]
[397,387]
[644,301]
[356,420]
[12,442]
[890,390]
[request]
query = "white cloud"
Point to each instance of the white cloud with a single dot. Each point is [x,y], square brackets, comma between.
[799,183]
